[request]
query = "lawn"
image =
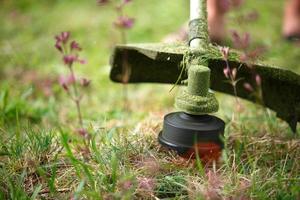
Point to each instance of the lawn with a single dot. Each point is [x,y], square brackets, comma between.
[43,157]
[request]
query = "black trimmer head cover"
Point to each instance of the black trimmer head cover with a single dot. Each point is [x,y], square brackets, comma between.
[191,134]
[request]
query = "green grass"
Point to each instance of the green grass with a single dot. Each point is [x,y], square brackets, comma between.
[41,156]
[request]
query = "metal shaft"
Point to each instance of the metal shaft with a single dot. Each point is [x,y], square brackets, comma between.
[197,11]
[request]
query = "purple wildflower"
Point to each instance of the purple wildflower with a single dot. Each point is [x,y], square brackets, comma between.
[225,52]
[58,46]
[66,81]
[61,40]
[63,37]
[69,51]
[248,87]
[227,72]
[70,59]
[124,22]
[75,46]
[258,80]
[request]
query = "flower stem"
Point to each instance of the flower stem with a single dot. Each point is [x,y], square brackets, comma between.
[76,99]
[77,102]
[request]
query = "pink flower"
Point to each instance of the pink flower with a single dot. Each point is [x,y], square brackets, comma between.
[227,72]
[58,46]
[258,80]
[63,37]
[70,59]
[62,42]
[85,82]
[225,52]
[248,87]
[66,81]
[124,22]
[75,46]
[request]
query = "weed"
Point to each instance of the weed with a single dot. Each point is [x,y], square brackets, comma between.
[69,50]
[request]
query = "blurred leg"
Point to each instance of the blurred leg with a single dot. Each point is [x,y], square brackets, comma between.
[216,21]
[291,24]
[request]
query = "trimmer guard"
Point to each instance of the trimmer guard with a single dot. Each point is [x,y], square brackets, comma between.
[162,63]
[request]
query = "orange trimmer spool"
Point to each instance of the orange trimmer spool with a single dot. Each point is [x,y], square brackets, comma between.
[193,135]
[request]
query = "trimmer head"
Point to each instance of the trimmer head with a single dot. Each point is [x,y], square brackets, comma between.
[190,135]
